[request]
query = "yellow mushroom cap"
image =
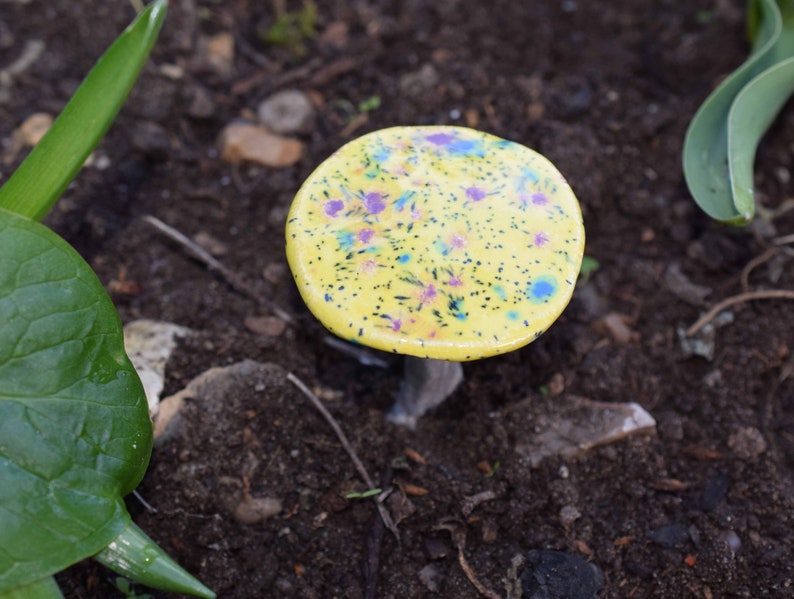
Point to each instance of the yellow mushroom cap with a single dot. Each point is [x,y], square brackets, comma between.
[438,242]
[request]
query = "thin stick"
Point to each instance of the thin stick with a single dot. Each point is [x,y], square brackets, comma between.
[484,591]
[214,265]
[757,261]
[786,239]
[737,299]
[348,448]
[149,507]
[374,543]
[457,531]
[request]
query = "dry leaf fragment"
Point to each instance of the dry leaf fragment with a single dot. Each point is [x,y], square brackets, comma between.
[701,453]
[671,485]
[415,490]
[622,541]
[415,456]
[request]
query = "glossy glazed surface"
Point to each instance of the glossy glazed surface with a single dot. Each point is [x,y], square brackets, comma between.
[439,242]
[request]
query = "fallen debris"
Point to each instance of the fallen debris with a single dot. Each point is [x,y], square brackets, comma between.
[211,387]
[559,575]
[569,425]
[149,344]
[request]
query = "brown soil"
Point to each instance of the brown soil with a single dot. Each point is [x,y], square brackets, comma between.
[605,90]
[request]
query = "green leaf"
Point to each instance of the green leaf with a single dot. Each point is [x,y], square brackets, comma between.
[134,554]
[46,588]
[75,434]
[49,168]
[721,142]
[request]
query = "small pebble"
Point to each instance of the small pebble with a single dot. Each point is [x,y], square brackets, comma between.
[730,540]
[172,71]
[33,128]
[669,536]
[617,328]
[568,515]
[240,142]
[490,530]
[216,53]
[252,510]
[747,443]
[275,273]
[714,492]
[288,111]
[265,325]
[431,577]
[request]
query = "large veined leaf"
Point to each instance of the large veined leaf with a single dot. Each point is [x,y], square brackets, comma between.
[721,142]
[75,434]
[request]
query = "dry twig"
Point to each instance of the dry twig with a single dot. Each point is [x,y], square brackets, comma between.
[458,533]
[738,299]
[784,240]
[755,262]
[384,514]
[214,265]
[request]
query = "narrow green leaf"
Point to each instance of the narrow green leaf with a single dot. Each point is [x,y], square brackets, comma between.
[135,555]
[46,588]
[49,168]
[75,434]
[721,142]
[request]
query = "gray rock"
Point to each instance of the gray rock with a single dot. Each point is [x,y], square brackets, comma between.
[559,575]
[669,536]
[431,577]
[288,111]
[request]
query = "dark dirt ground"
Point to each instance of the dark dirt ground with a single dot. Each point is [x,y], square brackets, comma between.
[605,90]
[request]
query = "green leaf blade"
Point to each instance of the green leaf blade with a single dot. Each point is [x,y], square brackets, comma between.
[75,434]
[752,113]
[135,555]
[49,168]
[722,138]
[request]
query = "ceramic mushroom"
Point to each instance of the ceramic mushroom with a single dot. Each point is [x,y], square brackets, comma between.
[442,243]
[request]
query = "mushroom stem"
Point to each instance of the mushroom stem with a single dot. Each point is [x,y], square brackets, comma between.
[427,383]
